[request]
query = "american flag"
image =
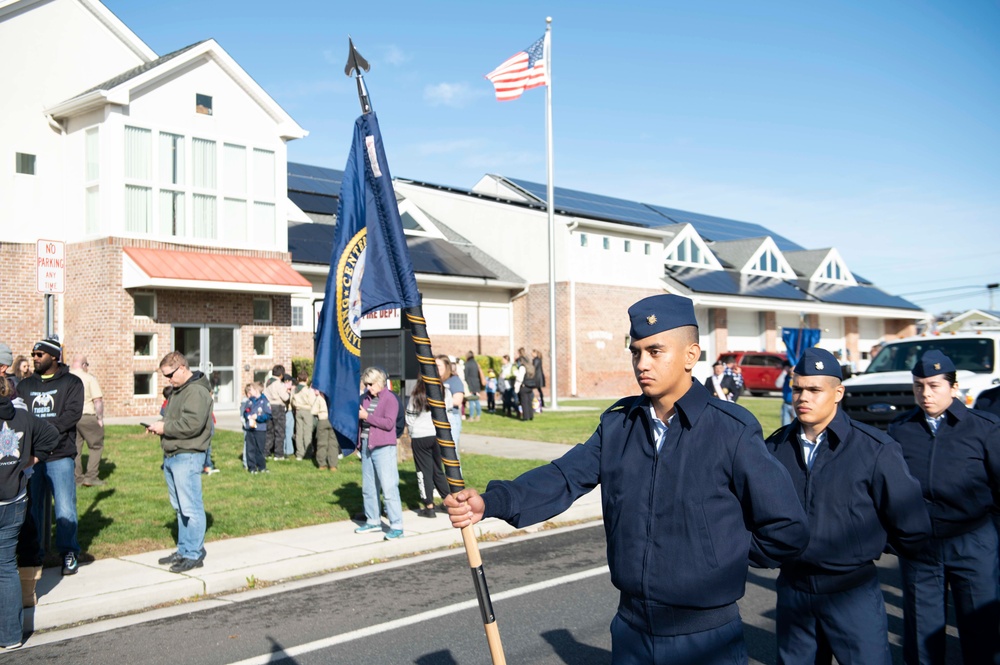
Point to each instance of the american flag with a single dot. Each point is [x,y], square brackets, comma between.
[520,72]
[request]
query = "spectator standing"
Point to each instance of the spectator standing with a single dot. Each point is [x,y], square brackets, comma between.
[454,396]
[276,392]
[507,384]
[955,454]
[689,495]
[377,444]
[829,596]
[426,452]
[787,411]
[24,439]
[735,372]
[289,447]
[524,385]
[55,395]
[327,446]
[719,384]
[256,411]
[491,391]
[474,379]
[302,400]
[7,364]
[536,361]
[185,431]
[90,429]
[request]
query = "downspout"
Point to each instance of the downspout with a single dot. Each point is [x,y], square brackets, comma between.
[572,320]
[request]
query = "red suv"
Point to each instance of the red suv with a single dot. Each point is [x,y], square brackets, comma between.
[761,369]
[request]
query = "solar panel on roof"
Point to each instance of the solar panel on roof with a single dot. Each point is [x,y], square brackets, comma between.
[324,205]
[595,205]
[719,228]
[313,185]
[729,282]
[859,295]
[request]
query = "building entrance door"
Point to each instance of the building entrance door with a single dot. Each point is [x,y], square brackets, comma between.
[212,349]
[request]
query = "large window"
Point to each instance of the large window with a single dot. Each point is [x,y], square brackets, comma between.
[138,177]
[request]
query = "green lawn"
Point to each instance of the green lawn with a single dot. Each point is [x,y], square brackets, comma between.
[131,514]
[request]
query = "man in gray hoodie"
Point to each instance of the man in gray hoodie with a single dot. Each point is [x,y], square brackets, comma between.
[185,432]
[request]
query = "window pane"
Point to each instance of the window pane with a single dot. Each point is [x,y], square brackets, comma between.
[93,168]
[263,175]
[24,163]
[203,163]
[171,159]
[298,315]
[607,243]
[628,246]
[261,309]
[138,209]
[234,216]
[143,385]
[262,345]
[143,344]
[263,223]
[93,212]
[235,169]
[682,251]
[144,304]
[583,240]
[204,216]
[138,153]
[458,321]
[171,213]
[774,263]
[695,252]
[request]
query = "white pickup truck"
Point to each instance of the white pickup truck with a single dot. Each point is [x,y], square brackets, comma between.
[885,389]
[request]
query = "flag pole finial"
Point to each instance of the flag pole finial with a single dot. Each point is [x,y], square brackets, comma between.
[355,63]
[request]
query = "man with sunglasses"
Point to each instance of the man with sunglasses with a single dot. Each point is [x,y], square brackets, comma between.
[55,395]
[185,432]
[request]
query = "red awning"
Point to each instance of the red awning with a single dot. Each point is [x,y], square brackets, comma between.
[170,268]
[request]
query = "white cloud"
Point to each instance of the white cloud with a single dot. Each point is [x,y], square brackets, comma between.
[395,56]
[456,95]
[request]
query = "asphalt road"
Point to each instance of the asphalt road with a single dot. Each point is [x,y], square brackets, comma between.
[551,594]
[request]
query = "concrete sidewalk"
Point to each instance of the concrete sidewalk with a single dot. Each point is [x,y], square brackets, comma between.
[111,587]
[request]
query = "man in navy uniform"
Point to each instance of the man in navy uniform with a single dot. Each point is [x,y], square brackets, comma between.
[989,400]
[689,493]
[857,491]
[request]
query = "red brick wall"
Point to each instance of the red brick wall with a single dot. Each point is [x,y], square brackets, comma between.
[770,331]
[22,308]
[721,326]
[899,328]
[851,337]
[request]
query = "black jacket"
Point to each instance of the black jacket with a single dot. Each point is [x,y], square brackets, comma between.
[21,437]
[989,400]
[858,492]
[958,468]
[680,523]
[59,401]
[728,383]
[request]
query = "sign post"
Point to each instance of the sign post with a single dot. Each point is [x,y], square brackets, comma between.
[50,268]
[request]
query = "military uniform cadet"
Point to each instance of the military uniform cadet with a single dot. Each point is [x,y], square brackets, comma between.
[689,492]
[989,400]
[855,487]
[955,454]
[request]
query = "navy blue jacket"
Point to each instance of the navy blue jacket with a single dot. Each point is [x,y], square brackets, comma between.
[858,492]
[958,468]
[989,400]
[680,524]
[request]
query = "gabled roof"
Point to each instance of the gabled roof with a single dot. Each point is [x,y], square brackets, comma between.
[843,294]
[806,262]
[118,90]
[103,15]
[736,253]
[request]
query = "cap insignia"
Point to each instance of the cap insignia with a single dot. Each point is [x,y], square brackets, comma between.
[819,364]
[651,319]
[937,365]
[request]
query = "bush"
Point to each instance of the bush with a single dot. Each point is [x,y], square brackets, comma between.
[302,364]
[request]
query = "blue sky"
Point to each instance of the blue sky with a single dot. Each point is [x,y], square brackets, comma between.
[870,126]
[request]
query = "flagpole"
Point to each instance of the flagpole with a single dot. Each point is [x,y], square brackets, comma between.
[435,399]
[553,372]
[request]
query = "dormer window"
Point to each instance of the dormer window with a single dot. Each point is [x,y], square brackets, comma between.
[688,249]
[834,271]
[768,261]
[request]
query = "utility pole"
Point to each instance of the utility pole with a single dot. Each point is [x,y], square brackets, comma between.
[991,289]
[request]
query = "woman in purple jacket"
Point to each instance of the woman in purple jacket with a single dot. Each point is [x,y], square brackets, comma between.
[377,444]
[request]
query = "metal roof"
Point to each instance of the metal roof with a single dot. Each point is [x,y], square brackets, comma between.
[314,179]
[732,283]
[736,253]
[594,205]
[843,294]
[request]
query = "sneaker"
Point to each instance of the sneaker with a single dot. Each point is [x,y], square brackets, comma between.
[185,565]
[426,512]
[173,558]
[11,647]
[97,482]
[211,471]
[393,534]
[365,528]
[70,564]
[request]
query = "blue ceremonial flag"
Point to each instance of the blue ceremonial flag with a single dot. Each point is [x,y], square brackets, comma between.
[370,269]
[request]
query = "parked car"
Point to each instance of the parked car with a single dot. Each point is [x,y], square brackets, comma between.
[885,389]
[760,369]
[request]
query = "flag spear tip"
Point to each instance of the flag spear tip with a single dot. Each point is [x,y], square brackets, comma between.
[356,63]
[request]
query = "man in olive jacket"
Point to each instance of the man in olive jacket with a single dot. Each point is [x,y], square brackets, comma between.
[185,432]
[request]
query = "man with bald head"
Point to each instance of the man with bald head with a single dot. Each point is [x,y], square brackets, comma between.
[689,494]
[856,489]
[91,425]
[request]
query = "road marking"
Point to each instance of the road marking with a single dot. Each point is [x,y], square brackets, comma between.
[309,647]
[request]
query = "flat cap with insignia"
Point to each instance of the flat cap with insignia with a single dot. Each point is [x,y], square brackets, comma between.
[932,363]
[656,314]
[818,362]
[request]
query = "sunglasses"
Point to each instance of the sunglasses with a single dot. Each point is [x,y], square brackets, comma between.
[37,354]
[167,376]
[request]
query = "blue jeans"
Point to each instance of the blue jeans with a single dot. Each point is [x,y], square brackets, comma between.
[183,475]
[11,614]
[379,470]
[60,476]
[289,431]
[787,414]
[475,408]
